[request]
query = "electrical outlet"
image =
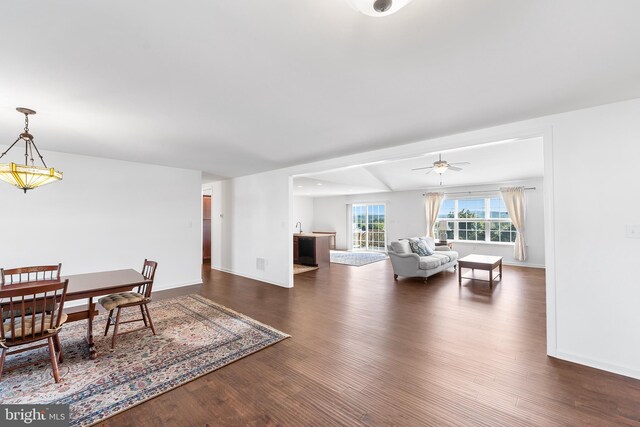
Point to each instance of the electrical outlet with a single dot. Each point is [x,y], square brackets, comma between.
[633,231]
[261,264]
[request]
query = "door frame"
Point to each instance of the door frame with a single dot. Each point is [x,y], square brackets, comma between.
[350,225]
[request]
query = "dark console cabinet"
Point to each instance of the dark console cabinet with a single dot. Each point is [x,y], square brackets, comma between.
[312,250]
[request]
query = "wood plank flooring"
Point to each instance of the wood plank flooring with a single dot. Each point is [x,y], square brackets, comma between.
[369,351]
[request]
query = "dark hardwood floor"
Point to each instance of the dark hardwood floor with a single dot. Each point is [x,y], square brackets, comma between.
[368,351]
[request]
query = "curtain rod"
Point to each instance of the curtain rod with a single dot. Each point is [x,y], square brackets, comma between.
[479,191]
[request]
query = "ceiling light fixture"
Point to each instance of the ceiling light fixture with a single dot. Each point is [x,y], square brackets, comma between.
[378,7]
[440,166]
[27,177]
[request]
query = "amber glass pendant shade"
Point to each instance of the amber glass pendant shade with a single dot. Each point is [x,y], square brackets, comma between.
[27,176]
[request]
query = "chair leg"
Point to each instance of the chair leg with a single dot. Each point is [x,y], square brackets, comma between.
[58,348]
[395,277]
[144,316]
[54,361]
[115,330]
[106,329]
[2,357]
[150,321]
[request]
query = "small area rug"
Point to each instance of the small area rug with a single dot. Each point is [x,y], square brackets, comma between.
[298,269]
[356,259]
[195,336]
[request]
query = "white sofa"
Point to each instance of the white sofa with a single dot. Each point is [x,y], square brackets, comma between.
[408,264]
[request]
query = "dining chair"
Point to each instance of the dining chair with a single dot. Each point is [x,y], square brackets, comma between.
[14,276]
[140,298]
[29,274]
[33,313]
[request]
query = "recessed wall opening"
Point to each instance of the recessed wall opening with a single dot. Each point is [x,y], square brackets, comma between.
[366,207]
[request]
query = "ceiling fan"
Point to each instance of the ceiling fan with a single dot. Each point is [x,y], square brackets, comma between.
[441,166]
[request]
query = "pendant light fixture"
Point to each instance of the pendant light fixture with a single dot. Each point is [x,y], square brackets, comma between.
[27,176]
[378,7]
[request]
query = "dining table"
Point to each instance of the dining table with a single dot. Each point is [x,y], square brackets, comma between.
[89,286]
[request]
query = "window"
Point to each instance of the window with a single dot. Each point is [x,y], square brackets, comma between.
[368,227]
[482,219]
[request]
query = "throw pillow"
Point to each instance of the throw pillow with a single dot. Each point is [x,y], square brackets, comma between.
[401,247]
[420,247]
[429,241]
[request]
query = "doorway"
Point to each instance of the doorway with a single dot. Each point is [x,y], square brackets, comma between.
[368,227]
[206,228]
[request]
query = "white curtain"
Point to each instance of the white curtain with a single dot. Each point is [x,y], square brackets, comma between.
[432,205]
[516,205]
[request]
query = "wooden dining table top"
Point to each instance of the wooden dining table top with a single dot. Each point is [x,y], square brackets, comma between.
[96,284]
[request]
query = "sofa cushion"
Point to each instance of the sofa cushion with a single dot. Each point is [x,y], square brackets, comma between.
[453,255]
[444,258]
[430,262]
[400,246]
[420,247]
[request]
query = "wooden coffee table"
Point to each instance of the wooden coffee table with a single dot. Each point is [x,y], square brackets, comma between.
[480,262]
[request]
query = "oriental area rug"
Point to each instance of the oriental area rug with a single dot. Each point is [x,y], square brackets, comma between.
[195,336]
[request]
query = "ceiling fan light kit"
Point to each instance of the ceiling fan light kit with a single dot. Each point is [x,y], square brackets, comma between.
[27,176]
[441,166]
[378,8]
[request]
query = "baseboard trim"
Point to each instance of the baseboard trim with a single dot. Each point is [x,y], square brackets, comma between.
[248,276]
[178,285]
[598,364]
[513,264]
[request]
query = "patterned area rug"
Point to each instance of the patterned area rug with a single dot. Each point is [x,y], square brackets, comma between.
[356,259]
[195,336]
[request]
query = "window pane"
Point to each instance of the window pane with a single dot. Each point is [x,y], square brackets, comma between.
[471,208]
[447,209]
[469,230]
[502,231]
[497,208]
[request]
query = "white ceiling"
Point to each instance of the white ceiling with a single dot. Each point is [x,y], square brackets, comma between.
[237,87]
[490,163]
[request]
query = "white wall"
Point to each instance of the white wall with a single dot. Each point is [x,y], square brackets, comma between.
[106,215]
[256,223]
[592,294]
[406,218]
[303,212]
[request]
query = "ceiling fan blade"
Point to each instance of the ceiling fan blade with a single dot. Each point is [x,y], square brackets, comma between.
[419,169]
[460,163]
[454,168]
[429,171]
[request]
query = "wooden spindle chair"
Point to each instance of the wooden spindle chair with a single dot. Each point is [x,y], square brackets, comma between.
[36,273]
[31,313]
[141,297]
